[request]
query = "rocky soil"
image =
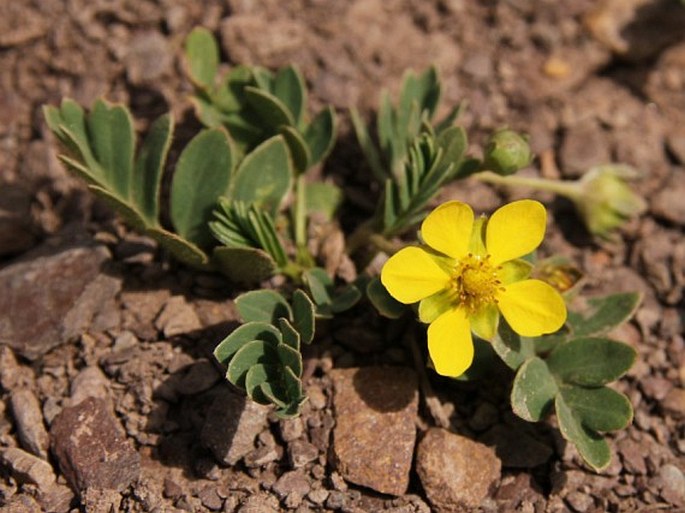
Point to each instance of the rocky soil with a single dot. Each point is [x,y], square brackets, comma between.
[110,398]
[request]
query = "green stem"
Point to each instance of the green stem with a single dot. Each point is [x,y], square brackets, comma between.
[567,189]
[300,213]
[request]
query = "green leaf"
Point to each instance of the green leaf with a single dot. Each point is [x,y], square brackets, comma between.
[511,347]
[238,225]
[202,175]
[208,113]
[424,91]
[303,316]
[533,390]
[290,358]
[244,265]
[320,135]
[298,148]
[183,250]
[270,109]
[112,139]
[604,314]
[370,151]
[149,168]
[262,306]
[345,298]
[123,208]
[242,335]
[591,446]
[202,54]
[265,175]
[600,409]
[591,361]
[289,87]
[252,353]
[259,382]
[386,305]
[290,335]
[72,133]
[454,144]
[230,95]
[324,198]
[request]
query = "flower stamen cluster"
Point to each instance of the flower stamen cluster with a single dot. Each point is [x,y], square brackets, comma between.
[476,283]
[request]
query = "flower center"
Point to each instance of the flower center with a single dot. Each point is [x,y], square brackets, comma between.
[476,282]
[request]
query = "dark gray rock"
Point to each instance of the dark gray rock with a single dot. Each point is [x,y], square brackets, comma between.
[456,472]
[232,425]
[52,298]
[91,447]
[373,440]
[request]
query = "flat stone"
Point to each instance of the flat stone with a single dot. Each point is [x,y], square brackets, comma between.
[91,447]
[177,317]
[671,483]
[301,452]
[232,425]
[668,203]
[456,472]
[89,382]
[373,440]
[57,499]
[259,503]
[51,299]
[292,485]
[28,418]
[148,58]
[27,468]
[674,402]
[585,145]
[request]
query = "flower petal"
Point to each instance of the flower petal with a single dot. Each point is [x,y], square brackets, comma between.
[411,274]
[484,322]
[514,270]
[448,228]
[450,344]
[532,308]
[434,306]
[515,230]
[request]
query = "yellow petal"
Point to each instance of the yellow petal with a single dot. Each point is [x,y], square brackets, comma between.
[532,308]
[434,306]
[411,274]
[448,228]
[515,230]
[484,322]
[450,344]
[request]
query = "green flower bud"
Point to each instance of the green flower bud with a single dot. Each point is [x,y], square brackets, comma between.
[605,200]
[506,152]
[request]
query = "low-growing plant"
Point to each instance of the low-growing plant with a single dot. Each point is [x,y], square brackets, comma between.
[239,204]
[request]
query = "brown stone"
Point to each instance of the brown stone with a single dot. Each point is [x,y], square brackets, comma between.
[456,472]
[91,447]
[29,421]
[233,423]
[50,299]
[373,440]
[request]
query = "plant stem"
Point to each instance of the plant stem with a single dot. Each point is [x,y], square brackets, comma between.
[567,189]
[300,213]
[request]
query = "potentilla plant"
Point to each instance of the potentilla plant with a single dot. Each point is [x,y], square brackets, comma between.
[240,201]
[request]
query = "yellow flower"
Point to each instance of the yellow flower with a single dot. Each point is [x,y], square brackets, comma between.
[468,272]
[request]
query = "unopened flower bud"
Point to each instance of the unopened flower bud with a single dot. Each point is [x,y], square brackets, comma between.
[506,152]
[606,201]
